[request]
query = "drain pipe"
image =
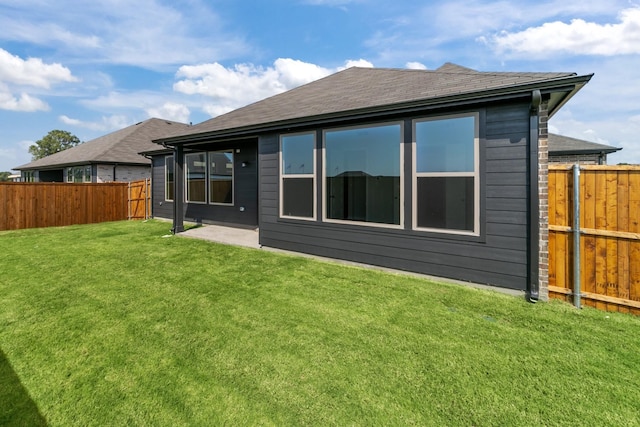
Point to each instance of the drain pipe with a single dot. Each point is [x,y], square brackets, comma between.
[576,236]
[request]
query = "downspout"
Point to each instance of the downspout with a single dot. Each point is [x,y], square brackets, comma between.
[533,285]
[178,189]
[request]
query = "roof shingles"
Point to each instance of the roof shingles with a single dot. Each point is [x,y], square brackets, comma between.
[359,89]
[121,146]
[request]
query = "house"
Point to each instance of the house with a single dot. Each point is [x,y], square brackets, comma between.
[439,172]
[563,149]
[112,157]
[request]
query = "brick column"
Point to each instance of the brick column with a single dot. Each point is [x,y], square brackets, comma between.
[543,203]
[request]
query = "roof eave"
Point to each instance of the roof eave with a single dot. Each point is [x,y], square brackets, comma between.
[578,83]
[588,151]
[79,163]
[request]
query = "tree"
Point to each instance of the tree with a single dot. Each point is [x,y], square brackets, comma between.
[53,142]
[4,176]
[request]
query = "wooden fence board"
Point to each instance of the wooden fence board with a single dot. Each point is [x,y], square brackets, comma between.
[30,205]
[610,236]
[551,179]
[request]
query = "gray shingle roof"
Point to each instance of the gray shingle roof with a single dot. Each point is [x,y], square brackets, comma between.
[120,147]
[559,144]
[365,89]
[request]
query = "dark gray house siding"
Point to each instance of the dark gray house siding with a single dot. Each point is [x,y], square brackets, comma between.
[498,256]
[160,207]
[243,212]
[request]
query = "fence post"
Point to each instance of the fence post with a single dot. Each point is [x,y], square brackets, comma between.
[147,198]
[576,236]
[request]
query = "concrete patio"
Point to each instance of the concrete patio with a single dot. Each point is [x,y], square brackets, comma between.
[227,235]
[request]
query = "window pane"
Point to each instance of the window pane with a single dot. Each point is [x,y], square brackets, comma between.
[87,173]
[445,145]
[363,174]
[168,191]
[196,173]
[221,177]
[297,154]
[446,202]
[77,174]
[297,197]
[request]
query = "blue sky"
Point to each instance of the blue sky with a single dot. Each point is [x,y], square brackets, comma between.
[94,67]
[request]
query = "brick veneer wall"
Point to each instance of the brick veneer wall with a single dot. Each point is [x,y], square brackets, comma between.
[583,159]
[543,203]
[124,173]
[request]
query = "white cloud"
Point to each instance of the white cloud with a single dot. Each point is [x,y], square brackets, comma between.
[32,72]
[356,63]
[579,37]
[243,84]
[415,66]
[435,32]
[22,102]
[17,76]
[293,73]
[106,124]
[170,111]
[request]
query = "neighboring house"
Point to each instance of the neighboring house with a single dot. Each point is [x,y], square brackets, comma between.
[112,157]
[563,149]
[435,172]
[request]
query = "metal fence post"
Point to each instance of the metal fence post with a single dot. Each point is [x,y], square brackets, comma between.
[576,236]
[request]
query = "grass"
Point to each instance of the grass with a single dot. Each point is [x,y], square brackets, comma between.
[114,324]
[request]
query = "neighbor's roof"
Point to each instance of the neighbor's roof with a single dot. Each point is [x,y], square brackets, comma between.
[120,147]
[357,91]
[564,145]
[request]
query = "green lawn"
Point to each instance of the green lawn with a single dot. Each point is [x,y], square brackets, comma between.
[115,324]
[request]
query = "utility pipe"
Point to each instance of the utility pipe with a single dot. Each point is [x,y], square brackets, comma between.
[576,236]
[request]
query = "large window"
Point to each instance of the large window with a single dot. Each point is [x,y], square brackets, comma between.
[362,172]
[221,177]
[297,171]
[196,172]
[168,178]
[446,187]
[209,177]
[79,174]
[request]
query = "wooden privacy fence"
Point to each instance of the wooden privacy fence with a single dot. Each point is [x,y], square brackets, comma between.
[608,231]
[31,205]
